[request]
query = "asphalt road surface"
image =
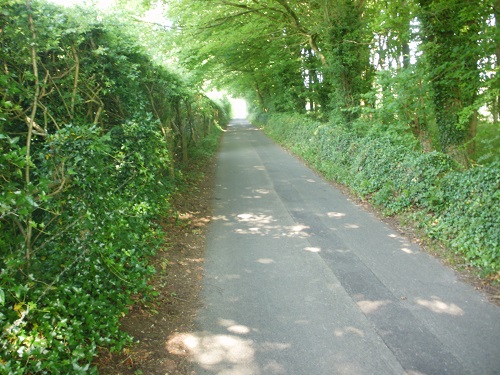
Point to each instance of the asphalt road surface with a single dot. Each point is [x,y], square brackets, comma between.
[300,280]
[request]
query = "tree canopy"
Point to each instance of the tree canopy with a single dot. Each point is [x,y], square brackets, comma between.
[426,66]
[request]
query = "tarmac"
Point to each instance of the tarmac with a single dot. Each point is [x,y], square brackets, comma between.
[299,279]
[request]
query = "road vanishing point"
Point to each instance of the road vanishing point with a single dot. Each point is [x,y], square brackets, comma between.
[299,279]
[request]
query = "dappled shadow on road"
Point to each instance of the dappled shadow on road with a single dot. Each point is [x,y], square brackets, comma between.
[326,236]
[262,224]
[230,351]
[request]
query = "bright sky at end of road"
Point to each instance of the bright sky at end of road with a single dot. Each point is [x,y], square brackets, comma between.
[239,108]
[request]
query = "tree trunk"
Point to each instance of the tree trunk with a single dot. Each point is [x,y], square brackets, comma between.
[347,48]
[260,97]
[406,54]
[183,131]
[472,134]
[31,123]
[496,106]
[454,88]
[170,147]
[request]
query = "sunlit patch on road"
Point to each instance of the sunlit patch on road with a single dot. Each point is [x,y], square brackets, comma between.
[336,215]
[221,352]
[262,219]
[227,353]
[263,225]
[407,251]
[369,307]
[312,249]
[339,332]
[262,191]
[438,306]
[265,261]
[351,226]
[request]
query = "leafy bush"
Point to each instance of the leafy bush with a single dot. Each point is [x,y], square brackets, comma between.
[470,215]
[456,206]
[97,235]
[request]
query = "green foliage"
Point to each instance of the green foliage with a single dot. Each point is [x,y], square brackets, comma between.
[404,109]
[94,240]
[90,137]
[349,71]
[456,206]
[419,68]
[487,143]
[268,50]
[470,215]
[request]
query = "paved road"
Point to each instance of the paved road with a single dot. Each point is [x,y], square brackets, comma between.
[300,280]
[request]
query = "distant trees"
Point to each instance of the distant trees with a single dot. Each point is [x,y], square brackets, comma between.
[419,66]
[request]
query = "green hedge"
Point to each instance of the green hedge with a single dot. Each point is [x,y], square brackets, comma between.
[92,251]
[459,207]
[82,193]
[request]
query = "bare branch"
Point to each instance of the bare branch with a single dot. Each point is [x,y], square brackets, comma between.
[47,113]
[31,125]
[170,27]
[34,127]
[57,88]
[75,82]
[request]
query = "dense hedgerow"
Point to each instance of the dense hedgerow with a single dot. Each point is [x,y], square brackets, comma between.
[96,239]
[92,134]
[459,207]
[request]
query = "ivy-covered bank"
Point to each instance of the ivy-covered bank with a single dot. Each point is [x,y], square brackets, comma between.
[458,206]
[93,136]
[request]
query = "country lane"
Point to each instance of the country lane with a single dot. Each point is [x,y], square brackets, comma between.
[301,280]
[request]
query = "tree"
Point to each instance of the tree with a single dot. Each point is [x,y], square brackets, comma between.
[495,107]
[452,49]
[229,47]
[345,39]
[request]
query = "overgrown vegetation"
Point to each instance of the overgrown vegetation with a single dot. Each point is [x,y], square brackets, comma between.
[423,67]
[92,137]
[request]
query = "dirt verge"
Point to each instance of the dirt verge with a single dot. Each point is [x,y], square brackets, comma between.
[157,327]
